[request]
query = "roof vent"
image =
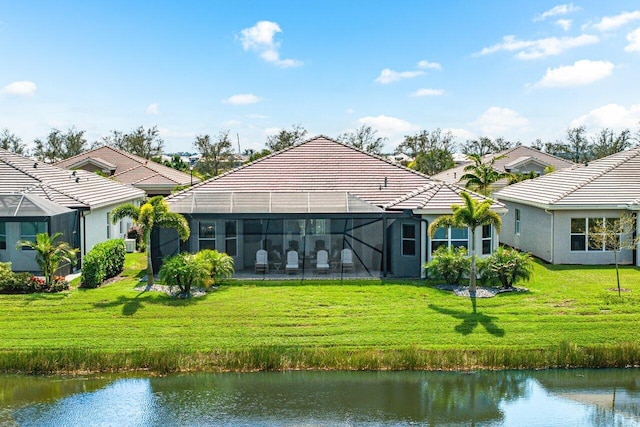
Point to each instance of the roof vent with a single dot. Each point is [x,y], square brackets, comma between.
[74,173]
[77,179]
[35,165]
[385,181]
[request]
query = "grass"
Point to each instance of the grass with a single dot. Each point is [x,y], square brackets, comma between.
[568,319]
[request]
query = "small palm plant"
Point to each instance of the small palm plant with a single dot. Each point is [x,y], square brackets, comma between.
[49,253]
[220,264]
[184,271]
[508,266]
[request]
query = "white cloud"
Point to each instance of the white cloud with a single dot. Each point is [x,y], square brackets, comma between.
[426,64]
[428,92]
[582,72]
[565,24]
[272,131]
[533,49]
[388,76]
[231,123]
[561,9]
[256,116]
[168,133]
[612,116]
[261,39]
[498,120]
[634,41]
[388,127]
[21,88]
[242,99]
[461,134]
[609,23]
[153,109]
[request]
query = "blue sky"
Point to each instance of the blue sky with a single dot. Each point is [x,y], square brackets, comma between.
[520,70]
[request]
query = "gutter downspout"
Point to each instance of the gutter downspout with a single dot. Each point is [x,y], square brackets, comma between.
[553,234]
[423,248]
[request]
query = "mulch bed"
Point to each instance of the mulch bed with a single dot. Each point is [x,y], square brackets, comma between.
[481,292]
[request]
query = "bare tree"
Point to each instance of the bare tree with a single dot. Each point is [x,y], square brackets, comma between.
[364,138]
[432,151]
[578,145]
[607,143]
[216,155]
[481,147]
[142,142]
[58,146]
[286,138]
[614,234]
[12,142]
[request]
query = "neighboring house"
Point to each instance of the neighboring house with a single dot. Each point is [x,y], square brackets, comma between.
[321,194]
[516,160]
[38,197]
[552,216]
[147,175]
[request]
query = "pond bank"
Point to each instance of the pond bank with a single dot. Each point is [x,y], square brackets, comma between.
[79,361]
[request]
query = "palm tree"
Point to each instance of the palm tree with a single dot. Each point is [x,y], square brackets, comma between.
[480,176]
[49,254]
[473,214]
[154,213]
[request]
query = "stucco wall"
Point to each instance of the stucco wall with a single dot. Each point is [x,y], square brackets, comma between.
[562,244]
[535,230]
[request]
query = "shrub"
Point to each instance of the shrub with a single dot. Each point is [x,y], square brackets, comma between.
[184,271]
[507,266]
[450,264]
[104,261]
[25,283]
[220,264]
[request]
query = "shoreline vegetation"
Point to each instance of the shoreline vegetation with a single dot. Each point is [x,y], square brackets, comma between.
[568,319]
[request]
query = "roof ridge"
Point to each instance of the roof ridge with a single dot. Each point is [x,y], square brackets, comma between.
[597,174]
[414,193]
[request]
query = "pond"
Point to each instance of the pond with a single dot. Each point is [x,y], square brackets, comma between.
[509,398]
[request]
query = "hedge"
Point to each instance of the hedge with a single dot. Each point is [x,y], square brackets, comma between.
[104,261]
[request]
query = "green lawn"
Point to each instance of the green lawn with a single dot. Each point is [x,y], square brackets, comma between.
[565,306]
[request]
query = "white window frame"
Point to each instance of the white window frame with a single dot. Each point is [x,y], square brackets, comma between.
[449,240]
[586,234]
[488,238]
[3,236]
[413,239]
[207,239]
[518,216]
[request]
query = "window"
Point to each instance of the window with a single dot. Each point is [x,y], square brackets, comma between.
[486,239]
[108,225]
[28,231]
[231,238]
[207,235]
[408,239]
[517,212]
[450,237]
[3,235]
[587,234]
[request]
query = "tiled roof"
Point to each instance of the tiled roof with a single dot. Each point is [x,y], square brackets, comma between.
[75,190]
[437,198]
[323,165]
[319,164]
[131,169]
[511,157]
[610,182]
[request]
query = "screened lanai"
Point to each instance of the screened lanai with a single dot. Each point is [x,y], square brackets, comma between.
[247,225]
[22,217]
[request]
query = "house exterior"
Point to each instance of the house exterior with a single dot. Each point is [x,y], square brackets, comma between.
[320,194]
[517,160]
[553,216]
[155,179]
[38,197]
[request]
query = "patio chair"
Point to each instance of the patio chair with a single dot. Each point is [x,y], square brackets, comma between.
[292,262]
[262,261]
[322,261]
[346,260]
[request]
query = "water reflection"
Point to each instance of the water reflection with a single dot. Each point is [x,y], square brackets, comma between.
[547,398]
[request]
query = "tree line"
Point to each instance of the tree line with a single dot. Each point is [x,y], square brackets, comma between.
[431,151]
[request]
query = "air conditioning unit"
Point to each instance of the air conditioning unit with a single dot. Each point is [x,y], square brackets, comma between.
[130,245]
